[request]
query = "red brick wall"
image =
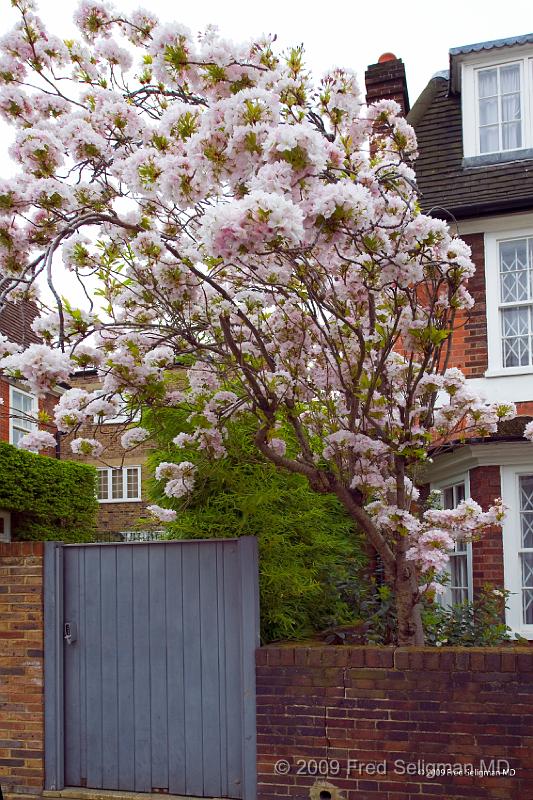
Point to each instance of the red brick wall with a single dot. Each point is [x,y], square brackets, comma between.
[487,553]
[4,411]
[21,668]
[469,342]
[387,81]
[323,707]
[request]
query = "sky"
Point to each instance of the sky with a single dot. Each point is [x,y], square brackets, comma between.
[336,32]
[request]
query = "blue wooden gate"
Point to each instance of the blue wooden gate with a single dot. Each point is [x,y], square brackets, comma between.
[149,679]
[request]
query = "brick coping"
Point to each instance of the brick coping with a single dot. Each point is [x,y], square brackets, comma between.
[476,659]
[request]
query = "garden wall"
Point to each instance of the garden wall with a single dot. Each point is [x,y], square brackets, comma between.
[21,668]
[377,722]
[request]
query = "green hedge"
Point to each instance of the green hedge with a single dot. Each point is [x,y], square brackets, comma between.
[48,498]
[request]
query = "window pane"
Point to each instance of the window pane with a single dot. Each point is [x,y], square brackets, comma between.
[510,108]
[17,434]
[102,485]
[527,590]
[516,352]
[515,321]
[511,135]
[488,82]
[459,490]
[510,78]
[489,140]
[526,509]
[22,410]
[513,255]
[116,484]
[132,482]
[488,111]
[448,498]
[460,546]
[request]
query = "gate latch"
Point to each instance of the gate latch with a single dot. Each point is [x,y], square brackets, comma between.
[70,632]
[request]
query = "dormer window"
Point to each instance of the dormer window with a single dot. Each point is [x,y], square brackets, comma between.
[499,108]
[496,86]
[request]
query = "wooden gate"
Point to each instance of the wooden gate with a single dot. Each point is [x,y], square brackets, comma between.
[150,676]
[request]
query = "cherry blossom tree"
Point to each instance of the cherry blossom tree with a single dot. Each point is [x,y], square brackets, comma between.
[247,242]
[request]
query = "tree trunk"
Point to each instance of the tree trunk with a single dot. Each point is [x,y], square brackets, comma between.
[408,609]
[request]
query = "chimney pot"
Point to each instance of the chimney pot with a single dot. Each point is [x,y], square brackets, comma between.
[386,57]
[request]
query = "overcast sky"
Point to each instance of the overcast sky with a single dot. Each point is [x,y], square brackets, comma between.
[337,32]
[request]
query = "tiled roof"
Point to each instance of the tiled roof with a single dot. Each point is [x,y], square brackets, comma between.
[15,322]
[526,38]
[443,180]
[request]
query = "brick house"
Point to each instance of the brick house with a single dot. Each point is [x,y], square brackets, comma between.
[18,406]
[474,124]
[121,475]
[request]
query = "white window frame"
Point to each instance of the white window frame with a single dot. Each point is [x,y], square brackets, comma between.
[5,534]
[493,303]
[13,417]
[453,480]
[124,498]
[512,547]
[469,95]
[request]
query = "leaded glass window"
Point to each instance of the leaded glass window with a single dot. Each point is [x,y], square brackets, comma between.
[516,297]
[526,551]
[459,588]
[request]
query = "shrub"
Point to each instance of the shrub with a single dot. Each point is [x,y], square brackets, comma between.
[307,543]
[477,623]
[48,498]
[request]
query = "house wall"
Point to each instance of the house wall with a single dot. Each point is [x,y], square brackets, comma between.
[21,668]
[4,411]
[113,517]
[487,553]
[340,714]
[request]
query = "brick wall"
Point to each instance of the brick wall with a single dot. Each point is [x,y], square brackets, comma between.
[469,342]
[487,553]
[112,517]
[366,714]
[386,80]
[21,668]
[4,411]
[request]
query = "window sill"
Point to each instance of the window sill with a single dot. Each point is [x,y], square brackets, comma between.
[509,372]
[492,159]
[121,500]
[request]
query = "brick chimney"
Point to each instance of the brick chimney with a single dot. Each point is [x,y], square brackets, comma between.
[386,80]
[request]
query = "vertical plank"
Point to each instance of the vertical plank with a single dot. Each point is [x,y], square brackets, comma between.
[72,689]
[93,661]
[249,571]
[232,623]
[175,685]
[82,639]
[210,672]
[53,666]
[109,688]
[221,647]
[158,667]
[192,664]
[141,660]
[125,699]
